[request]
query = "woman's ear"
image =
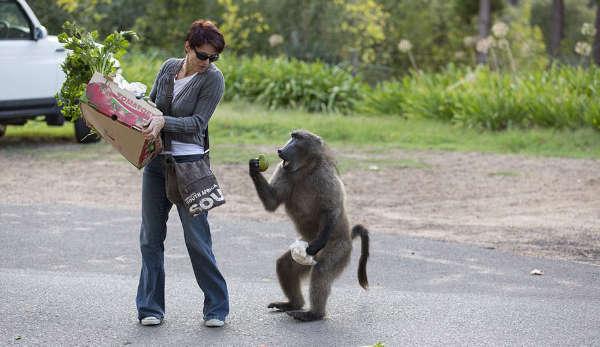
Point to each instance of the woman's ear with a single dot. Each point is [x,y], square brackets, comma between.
[186,46]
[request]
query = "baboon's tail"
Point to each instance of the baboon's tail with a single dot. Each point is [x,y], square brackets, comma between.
[359,230]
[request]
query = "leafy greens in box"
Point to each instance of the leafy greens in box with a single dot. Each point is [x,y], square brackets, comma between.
[87,56]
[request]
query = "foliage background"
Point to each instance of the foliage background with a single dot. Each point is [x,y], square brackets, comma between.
[335,56]
[361,33]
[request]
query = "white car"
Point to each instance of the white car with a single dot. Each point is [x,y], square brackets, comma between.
[30,73]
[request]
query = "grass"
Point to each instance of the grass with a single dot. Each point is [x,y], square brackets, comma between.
[240,123]
[224,153]
[37,130]
[504,174]
[239,130]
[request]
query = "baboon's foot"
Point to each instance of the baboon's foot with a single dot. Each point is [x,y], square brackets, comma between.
[284,306]
[305,316]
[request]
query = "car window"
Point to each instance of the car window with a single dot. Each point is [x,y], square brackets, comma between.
[14,24]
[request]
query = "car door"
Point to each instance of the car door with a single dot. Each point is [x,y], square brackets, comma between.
[29,68]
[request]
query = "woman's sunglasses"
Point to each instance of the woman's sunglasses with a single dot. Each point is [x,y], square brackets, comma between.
[204,56]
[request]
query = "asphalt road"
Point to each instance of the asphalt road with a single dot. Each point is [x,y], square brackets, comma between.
[68,276]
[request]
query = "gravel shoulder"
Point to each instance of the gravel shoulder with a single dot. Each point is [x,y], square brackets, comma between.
[543,207]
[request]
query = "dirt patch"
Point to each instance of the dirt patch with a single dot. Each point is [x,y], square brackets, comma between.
[533,206]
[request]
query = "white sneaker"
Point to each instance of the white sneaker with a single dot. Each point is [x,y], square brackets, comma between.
[151,320]
[214,323]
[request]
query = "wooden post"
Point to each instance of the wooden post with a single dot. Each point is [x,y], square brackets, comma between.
[485,8]
[596,47]
[558,27]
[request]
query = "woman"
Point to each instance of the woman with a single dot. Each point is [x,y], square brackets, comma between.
[187,91]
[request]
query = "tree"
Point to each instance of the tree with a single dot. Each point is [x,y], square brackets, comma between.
[558,27]
[529,50]
[50,14]
[331,31]
[435,28]
[362,26]
[467,9]
[305,27]
[104,16]
[485,11]
[165,23]
[241,20]
[576,13]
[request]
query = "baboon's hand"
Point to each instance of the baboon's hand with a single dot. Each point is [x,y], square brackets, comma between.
[298,250]
[254,167]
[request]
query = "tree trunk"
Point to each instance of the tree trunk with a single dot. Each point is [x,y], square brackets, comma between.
[484,26]
[558,27]
[596,48]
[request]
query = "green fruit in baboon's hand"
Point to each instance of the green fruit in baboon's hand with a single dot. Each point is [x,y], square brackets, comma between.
[263,163]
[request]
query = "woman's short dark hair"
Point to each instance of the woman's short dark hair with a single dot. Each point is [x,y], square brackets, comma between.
[205,32]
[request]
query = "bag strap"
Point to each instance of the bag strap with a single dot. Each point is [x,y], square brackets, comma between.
[206,144]
[169,87]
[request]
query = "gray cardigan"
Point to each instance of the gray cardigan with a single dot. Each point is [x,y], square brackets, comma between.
[187,116]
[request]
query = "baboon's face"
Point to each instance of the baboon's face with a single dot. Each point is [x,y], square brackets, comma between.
[301,148]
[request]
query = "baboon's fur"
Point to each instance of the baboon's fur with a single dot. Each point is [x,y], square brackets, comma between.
[307,182]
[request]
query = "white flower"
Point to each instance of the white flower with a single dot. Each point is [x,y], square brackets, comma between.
[404,46]
[588,29]
[275,40]
[470,41]
[500,29]
[470,77]
[583,49]
[484,45]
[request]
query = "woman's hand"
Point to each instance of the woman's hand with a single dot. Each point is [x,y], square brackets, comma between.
[154,127]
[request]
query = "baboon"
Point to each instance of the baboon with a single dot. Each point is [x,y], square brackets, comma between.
[307,182]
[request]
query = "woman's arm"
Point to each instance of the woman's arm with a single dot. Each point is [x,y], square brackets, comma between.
[207,102]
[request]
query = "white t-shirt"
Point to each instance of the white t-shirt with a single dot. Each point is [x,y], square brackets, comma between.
[182,148]
[180,83]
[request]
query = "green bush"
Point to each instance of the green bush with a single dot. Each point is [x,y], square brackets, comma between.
[433,95]
[560,97]
[290,83]
[387,98]
[428,95]
[274,82]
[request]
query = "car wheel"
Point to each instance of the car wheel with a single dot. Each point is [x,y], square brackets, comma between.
[82,132]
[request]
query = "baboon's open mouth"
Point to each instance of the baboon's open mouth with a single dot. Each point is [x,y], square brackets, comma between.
[285,162]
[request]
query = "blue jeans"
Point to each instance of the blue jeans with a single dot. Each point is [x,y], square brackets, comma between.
[150,299]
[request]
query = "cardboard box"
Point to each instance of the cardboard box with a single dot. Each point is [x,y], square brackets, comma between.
[119,117]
